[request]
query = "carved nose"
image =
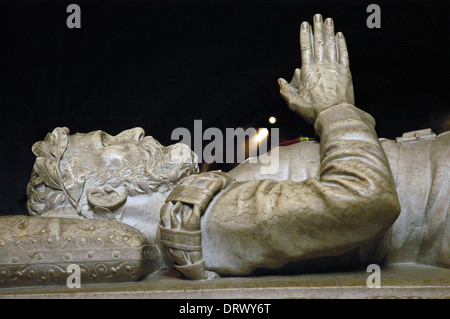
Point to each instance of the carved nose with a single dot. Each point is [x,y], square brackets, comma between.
[135,134]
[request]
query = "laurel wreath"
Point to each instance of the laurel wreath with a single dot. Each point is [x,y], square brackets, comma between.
[70,181]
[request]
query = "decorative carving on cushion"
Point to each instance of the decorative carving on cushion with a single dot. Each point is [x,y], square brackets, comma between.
[37,251]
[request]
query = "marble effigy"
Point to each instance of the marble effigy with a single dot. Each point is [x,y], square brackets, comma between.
[351,200]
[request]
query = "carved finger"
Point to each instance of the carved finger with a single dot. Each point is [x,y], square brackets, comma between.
[342,49]
[165,214]
[185,215]
[190,218]
[295,82]
[287,92]
[175,218]
[319,46]
[306,45]
[330,41]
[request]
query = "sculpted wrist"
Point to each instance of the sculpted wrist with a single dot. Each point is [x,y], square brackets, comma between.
[341,112]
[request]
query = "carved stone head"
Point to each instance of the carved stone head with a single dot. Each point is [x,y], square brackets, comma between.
[95,175]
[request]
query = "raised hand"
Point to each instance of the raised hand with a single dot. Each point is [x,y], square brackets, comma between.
[325,79]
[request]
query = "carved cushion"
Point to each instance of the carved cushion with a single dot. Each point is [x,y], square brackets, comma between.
[38,250]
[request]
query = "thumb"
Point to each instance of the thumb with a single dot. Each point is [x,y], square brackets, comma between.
[286,91]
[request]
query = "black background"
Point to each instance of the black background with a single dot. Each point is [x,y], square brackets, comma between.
[161,64]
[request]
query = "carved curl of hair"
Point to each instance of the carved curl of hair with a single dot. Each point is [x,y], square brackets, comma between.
[54,184]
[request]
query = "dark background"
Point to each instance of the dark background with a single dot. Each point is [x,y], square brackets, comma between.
[162,64]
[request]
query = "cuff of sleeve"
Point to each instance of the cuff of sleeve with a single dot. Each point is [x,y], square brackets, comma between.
[341,112]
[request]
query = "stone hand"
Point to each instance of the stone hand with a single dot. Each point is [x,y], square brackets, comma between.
[325,79]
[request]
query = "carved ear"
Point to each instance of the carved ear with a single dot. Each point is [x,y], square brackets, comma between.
[107,197]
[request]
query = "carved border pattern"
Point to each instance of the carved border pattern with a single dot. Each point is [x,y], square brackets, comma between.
[91,272]
[38,250]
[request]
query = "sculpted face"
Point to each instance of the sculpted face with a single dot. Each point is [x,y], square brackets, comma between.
[95,175]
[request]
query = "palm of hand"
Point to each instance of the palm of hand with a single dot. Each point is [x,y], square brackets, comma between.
[325,79]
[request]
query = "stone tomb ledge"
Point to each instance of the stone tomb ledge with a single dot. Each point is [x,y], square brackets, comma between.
[399,281]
